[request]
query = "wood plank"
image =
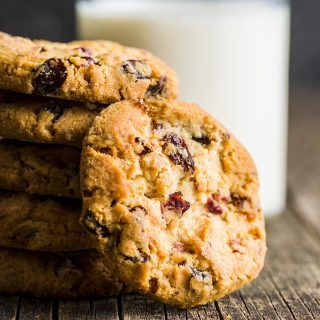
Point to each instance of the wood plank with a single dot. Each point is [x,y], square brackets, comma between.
[8,307]
[74,310]
[105,309]
[289,287]
[35,309]
[136,307]
[204,312]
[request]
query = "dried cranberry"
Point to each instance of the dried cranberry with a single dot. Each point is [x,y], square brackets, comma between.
[55,108]
[203,140]
[139,208]
[177,203]
[214,207]
[50,76]
[182,155]
[94,226]
[145,148]
[132,67]
[157,88]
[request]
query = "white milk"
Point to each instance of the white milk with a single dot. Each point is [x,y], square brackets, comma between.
[231,57]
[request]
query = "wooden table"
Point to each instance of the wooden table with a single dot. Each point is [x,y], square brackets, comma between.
[289,286]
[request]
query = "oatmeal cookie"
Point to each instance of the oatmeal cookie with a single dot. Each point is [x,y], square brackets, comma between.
[97,71]
[41,223]
[39,169]
[172,198]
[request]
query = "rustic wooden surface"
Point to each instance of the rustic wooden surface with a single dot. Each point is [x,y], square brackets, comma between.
[289,286]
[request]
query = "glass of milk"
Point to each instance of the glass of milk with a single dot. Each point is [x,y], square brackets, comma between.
[231,57]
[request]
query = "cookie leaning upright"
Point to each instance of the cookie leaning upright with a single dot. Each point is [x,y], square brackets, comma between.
[173,199]
[96,71]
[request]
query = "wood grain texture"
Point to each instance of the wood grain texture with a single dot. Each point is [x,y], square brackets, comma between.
[35,309]
[288,287]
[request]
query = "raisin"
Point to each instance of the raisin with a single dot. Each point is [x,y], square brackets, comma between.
[54,108]
[203,140]
[157,88]
[94,226]
[50,76]
[214,207]
[105,150]
[136,68]
[143,257]
[201,275]
[86,61]
[146,149]
[139,208]
[85,50]
[157,126]
[89,61]
[237,200]
[182,155]
[113,203]
[177,203]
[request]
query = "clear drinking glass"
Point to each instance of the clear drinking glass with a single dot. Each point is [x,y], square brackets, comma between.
[231,57]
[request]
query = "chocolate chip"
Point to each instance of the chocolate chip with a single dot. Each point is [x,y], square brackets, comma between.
[136,68]
[200,275]
[43,49]
[85,50]
[177,203]
[182,155]
[55,108]
[139,208]
[214,207]
[143,144]
[157,88]
[49,76]
[94,226]
[203,140]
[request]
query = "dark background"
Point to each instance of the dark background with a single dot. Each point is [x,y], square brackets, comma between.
[55,20]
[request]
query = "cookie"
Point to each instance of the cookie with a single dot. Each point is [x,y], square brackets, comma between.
[45,120]
[41,223]
[51,275]
[39,169]
[96,71]
[172,198]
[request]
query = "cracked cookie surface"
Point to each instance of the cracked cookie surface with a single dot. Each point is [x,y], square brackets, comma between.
[172,198]
[42,274]
[45,120]
[97,71]
[39,169]
[41,223]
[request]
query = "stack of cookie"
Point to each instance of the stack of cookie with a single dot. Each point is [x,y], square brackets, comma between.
[111,184]
[50,94]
